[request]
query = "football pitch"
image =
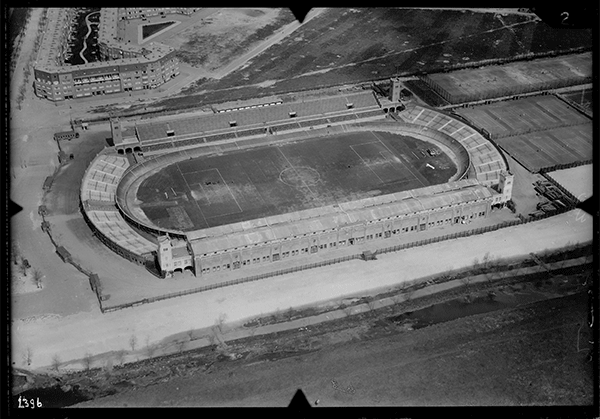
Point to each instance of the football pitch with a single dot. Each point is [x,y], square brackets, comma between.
[242,185]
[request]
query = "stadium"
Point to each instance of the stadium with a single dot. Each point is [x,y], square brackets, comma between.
[269,179]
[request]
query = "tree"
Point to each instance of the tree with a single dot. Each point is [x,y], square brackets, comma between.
[190,334]
[221,321]
[37,278]
[132,342]
[27,356]
[120,356]
[24,266]
[151,349]
[55,362]
[87,361]
[371,305]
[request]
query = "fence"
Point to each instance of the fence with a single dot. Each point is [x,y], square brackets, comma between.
[481,230]
[543,170]
[231,282]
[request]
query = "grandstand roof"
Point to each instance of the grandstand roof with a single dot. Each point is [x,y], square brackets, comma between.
[254,116]
[316,220]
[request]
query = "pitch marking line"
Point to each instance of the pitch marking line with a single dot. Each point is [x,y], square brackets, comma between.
[366,164]
[190,189]
[292,166]
[229,189]
[407,164]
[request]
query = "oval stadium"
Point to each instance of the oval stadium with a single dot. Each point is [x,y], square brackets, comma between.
[261,181]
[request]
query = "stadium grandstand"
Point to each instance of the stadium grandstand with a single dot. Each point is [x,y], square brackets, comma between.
[481,183]
[486,160]
[98,190]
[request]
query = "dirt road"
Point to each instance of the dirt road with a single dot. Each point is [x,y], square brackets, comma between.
[285,31]
[72,336]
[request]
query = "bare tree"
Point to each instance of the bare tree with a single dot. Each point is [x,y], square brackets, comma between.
[221,321]
[37,278]
[371,305]
[150,349]
[55,362]
[408,293]
[290,313]
[27,356]
[347,309]
[24,266]
[133,342]
[87,361]
[120,355]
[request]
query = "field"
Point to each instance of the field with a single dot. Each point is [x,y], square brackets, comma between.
[355,45]
[537,131]
[237,186]
[512,79]
[151,29]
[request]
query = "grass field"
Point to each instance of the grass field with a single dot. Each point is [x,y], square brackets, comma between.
[151,29]
[355,45]
[216,190]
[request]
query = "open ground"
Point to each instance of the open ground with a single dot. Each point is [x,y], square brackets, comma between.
[243,185]
[353,45]
[538,131]
[63,320]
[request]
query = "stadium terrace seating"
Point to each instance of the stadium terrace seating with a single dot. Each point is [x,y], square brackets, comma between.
[285,127]
[220,137]
[254,116]
[98,191]
[101,178]
[485,158]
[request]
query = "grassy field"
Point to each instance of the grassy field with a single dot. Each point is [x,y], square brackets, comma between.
[151,29]
[356,45]
[237,186]
[524,355]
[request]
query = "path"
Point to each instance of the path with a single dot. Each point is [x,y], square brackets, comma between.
[89,26]
[72,336]
[285,31]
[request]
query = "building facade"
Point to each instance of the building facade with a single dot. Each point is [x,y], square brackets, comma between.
[224,248]
[124,67]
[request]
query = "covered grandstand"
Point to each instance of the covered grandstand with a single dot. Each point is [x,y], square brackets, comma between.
[255,118]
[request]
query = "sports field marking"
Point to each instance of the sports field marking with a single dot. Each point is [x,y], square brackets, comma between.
[229,189]
[190,189]
[407,164]
[365,163]
[291,165]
